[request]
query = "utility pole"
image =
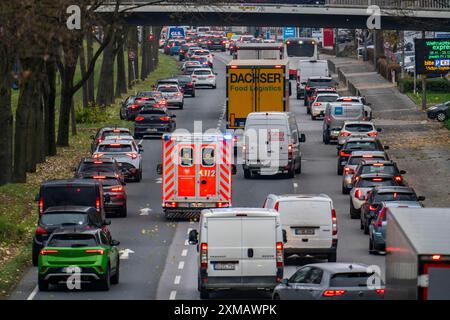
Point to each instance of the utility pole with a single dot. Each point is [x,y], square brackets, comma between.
[403,61]
[424,84]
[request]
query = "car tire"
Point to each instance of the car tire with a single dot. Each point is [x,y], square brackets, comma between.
[138,177]
[332,257]
[345,190]
[35,254]
[441,117]
[354,214]
[204,294]
[313,117]
[371,249]
[308,110]
[276,297]
[247,174]
[121,116]
[105,284]
[193,95]
[304,102]
[366,227]
[116,277]
[291,172]
[340,170]
[42,284]
[299,169]
[299,97]
[181,107]
[361,224]
[214,86]
[123,212]
[326,139]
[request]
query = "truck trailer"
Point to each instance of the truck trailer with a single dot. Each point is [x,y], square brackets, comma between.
[418,254]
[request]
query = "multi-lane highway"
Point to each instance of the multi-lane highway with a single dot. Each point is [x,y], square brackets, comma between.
[157,262]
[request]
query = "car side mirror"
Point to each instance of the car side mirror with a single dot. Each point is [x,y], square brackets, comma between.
[421,198]
[107,222]
[159,169]
[379,129]
[216,73]
[284,236]
[115,243]
[193,237]
[402,171]
[233,169]
[302,138]
[106,198]
[386,147]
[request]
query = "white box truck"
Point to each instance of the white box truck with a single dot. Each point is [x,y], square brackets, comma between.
[418,254]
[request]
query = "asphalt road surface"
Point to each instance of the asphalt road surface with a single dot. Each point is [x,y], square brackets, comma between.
[156,260]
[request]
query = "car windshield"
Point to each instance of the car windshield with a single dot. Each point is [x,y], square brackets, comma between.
[69,195]
[395,196]
[147,93]
[115,148]
[326,98]
[362,145]
[201,53]
[295,49]
[114,133]
[359,127]
[168,89]
[353,161]
[373,182]
[352,279]
[72,240]
[389,169]
[67,218]
[202,72]
[322,83]
[96,167]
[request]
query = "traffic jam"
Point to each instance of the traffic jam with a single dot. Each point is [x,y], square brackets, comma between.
[262,201]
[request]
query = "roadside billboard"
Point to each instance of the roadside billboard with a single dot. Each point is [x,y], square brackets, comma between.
[432,56]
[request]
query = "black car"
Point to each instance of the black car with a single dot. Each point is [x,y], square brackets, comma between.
[357,144]
[316,82]
[190,69]
[216,43]
[440,112]
[153,121]
[382,194]
[125,105]
[187,85]
[64,216]
[106,165]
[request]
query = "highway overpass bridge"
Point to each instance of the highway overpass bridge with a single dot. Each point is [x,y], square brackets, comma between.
[431,15]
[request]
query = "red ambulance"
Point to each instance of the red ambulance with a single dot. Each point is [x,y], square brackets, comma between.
[196,173]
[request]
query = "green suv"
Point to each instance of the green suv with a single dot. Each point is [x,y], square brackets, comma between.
[78,255]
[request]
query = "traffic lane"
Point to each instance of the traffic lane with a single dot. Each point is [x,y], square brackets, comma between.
[145,231]
[319,176]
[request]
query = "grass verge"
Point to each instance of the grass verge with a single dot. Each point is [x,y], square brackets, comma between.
[18,210]
[432,97]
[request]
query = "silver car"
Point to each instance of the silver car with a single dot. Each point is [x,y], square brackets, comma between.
[331,281]
[357,129]
[173,95]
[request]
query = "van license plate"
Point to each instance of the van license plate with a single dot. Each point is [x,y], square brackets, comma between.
[304,231]
[196,205]
[224,266]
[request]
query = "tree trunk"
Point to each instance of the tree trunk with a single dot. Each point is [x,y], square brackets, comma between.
[121,82]
[132,49]
[91,81]
[49,109]
[85,94]
[145,53]
[6,117]
[65,107]
[105,88]
[73,120]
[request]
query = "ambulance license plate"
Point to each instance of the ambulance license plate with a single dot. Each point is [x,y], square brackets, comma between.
[224,266]
[197,205]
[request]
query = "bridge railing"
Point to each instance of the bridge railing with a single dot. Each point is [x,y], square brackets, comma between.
[383,4]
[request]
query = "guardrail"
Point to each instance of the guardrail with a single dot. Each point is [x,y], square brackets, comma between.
[383,4]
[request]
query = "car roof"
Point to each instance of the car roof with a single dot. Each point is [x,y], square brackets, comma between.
[81,209]
[330,93]
[319,77]
[359,122]
[119,141]
[114,128]
[359,153]
[103,160]
[340,267]
[368,139]
[231,212]
[400,189]
[74,230]
[376,175]
[317,197]
[399,204]
[71,181]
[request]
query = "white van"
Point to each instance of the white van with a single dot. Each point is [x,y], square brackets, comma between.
[272,144]
[307,69]
[309,224]
[239,249]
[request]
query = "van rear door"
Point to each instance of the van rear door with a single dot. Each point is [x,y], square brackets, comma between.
[308,223]
[259,252]
[224,248]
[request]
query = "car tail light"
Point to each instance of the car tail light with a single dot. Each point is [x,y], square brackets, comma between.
[40,231]
[279,246]
[377,179]
[190,84]
[345,134]
[98,177]
[97,204]
[380,291]
[204,255]
[307,88]
[372,208]
[97,251]
[317,104]
[348,171]
[372,134]
[211,76]
[290,152]
[333,293]
[178,94]
[381,217]
[334,221]
[117,189]
[134,106]
[277,206]
[398,178]
[164,118]
[48,251]
[344,154]
[347,100]
[222,205]
[41,205]
[358,193]
[138,119]
[171,204]
[97,155]
[436,257]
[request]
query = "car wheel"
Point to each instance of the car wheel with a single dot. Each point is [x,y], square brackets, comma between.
[193,95]
[298,96]
[340,170]
[332,257]
[123,212]
[105,284]
[35,254]
[204,294]
[42,284]
[299,169]
[181,107]
[291,172]
[327,139]
[276,297]
[366,227]
[308,110]
[361,224]
[138,177]
[121,115]
[371,251]
[116,277]
[313,117]
[441,117]
[345,190]
[354,214]
[247,174]
[214,86]
[304,102]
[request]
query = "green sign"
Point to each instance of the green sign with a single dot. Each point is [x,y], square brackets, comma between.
[432,56]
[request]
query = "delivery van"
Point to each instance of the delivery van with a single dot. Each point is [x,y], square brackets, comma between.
[272,144]
[307,69]
[309,223]
[255,86]
[233,254]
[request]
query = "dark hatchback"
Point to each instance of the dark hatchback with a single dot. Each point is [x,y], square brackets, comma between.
[314,83]
[64,217]
[216,43]
[185,82]
[357,144]
[103,165]
[153,121]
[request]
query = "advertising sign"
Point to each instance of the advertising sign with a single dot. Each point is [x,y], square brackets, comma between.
[289,32]
[176,32]
[432,56]
[328,37]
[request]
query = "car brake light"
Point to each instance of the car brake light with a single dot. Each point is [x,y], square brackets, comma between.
[279,246]
[436,257]
[358,193]
[98,251]
[114,145]
[379,291]
[40,231]
[178,94]
[333,293]
[381,217]
[97,155]
[398,178]
[290,151]
[372,208]
[378,164]
[344,154]
[334,221]
[345,134]
[190,84]
[97,204]
[117,189]
[367,156]
[204,255]
[372,134]
[41,205]
[317,104]
[134,106]
[222,205]
[348,170]
[138,119]
[377,179]
[164,118]
[132,155]
[99,177]
[170,204]
[347,100]
[48,251]
[277,205]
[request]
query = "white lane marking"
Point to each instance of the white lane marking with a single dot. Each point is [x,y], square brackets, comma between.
[140,141]
[125,254]
[295,185]
[173,294]
[145,211]
[186,242]
[158,180]
[181,265]
[177,280]
[33,293]
[184,253]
